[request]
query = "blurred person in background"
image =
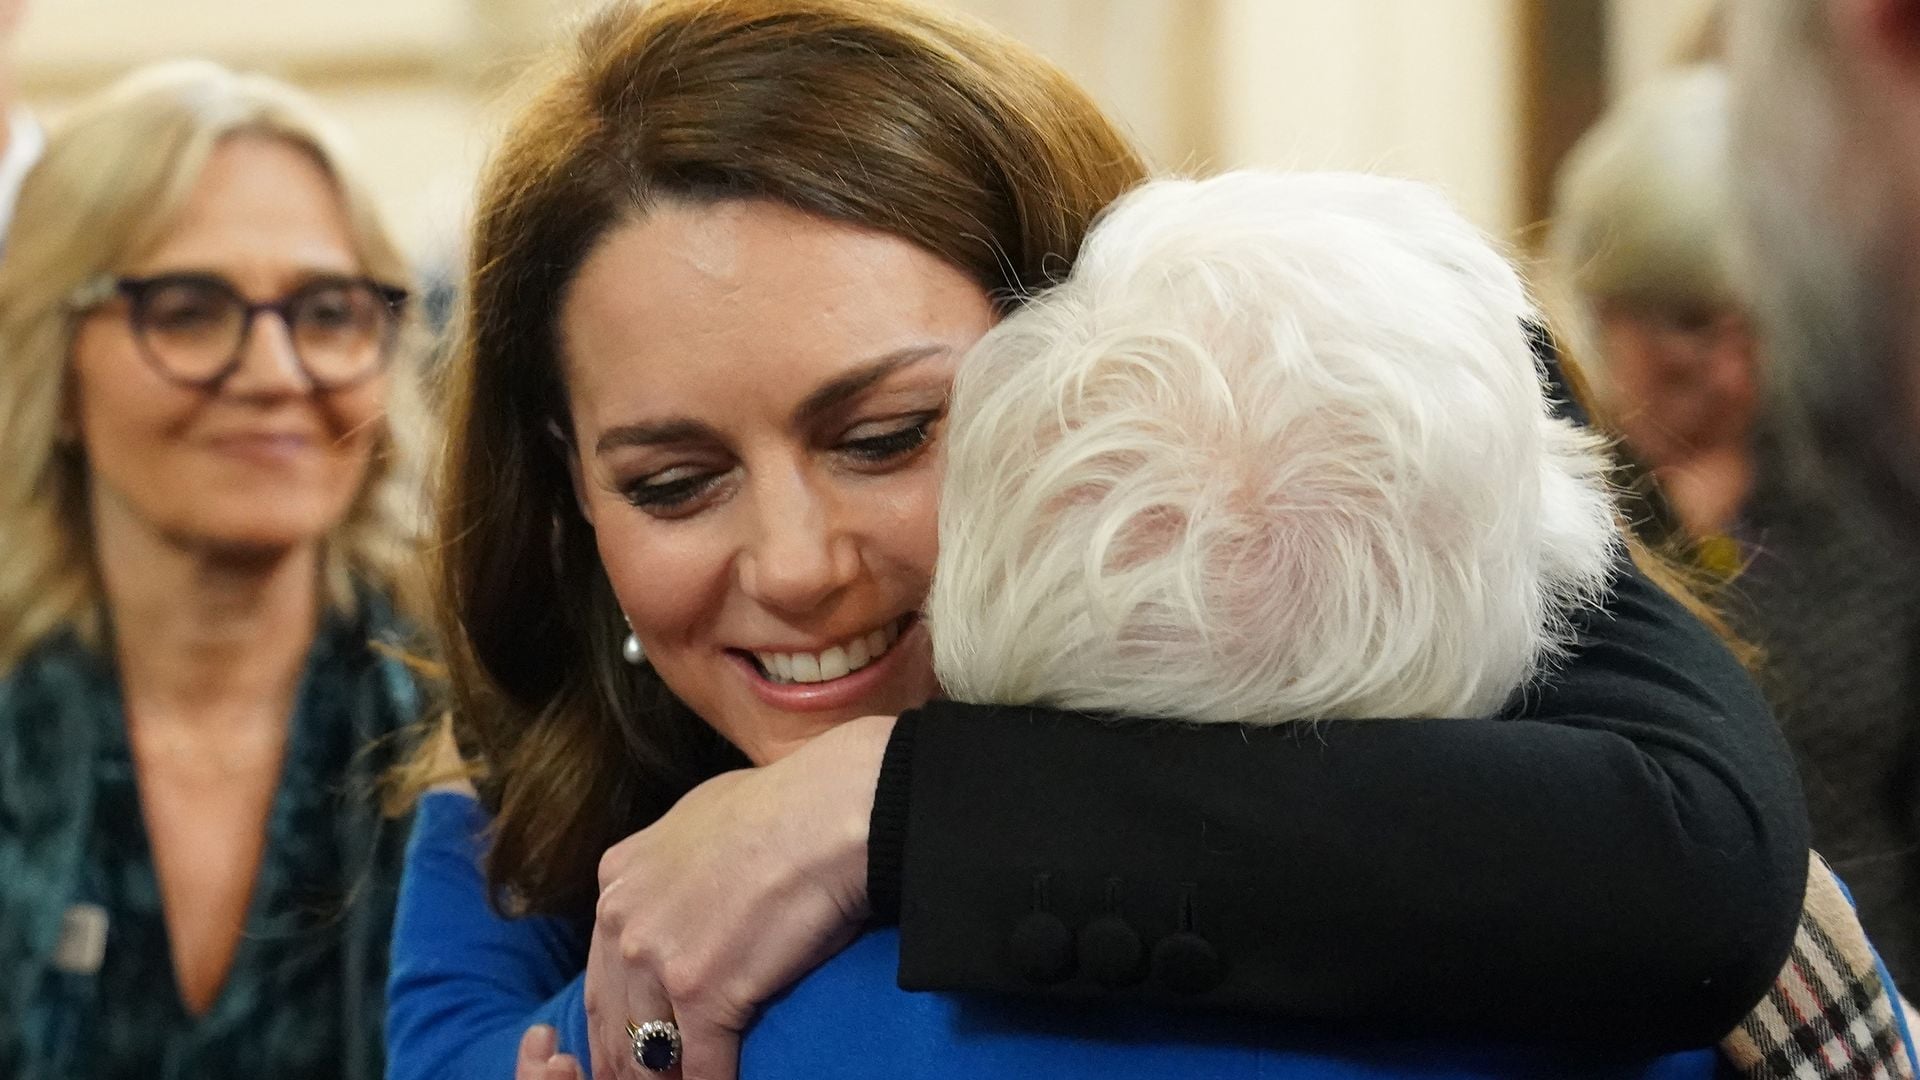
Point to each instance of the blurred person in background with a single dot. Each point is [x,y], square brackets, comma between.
[205,521]
[1642,239]
[1826,167]
[21,140]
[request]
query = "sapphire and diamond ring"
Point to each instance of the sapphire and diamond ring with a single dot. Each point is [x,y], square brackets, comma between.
[656,1044]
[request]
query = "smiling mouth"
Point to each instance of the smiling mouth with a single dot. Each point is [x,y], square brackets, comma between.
[835,662]
[263,442]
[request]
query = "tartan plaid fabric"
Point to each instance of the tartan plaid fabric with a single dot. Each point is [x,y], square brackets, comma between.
[1830,1014]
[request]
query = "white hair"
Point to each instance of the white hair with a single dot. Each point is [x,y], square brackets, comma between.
[1277,449]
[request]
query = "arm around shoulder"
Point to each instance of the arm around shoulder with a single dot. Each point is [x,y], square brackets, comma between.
[1623,858]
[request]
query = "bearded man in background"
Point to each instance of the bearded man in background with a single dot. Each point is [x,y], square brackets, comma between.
[1826,144]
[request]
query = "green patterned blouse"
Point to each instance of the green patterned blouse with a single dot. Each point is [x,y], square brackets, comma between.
[305,995]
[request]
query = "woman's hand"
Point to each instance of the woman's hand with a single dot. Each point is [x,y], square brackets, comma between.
[748,883]
[538,1059]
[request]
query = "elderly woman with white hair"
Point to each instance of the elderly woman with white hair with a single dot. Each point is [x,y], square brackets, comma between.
[1276,451]
[206,409]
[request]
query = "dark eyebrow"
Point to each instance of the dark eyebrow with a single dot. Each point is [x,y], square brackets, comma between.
[645,433]
[859,380]
[835,393]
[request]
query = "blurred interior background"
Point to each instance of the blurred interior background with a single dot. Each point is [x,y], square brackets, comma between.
[1480,96]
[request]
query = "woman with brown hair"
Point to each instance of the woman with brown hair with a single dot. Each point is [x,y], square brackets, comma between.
[723,267]
[207,518]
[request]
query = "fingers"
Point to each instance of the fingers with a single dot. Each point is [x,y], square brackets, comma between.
[605,1001]
[562,1067]
[646,1001]
[619,991]
[613,861]
[709,1052]
[539,1043]
[749,882]
[536,1051]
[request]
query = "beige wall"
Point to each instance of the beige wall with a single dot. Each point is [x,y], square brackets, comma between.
[89,32]
[1145,60]
[1413,87]
[1646,35]
[1420,87]
[396,73]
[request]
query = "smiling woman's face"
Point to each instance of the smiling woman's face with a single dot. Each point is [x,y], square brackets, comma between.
[755,393]
[261,462]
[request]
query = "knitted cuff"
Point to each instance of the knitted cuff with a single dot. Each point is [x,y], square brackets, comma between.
[887,829]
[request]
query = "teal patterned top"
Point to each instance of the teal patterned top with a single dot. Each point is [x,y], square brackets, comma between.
[305,995]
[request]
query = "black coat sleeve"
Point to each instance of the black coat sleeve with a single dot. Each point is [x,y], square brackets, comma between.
[1621,857]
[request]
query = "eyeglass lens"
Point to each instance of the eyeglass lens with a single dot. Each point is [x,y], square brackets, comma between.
[194,327]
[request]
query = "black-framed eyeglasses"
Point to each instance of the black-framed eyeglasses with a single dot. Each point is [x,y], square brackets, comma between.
[193,327]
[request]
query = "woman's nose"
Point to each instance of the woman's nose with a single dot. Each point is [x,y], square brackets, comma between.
[801,554]
[269,365]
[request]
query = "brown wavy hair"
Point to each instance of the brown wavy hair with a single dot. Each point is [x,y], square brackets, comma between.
[878,113]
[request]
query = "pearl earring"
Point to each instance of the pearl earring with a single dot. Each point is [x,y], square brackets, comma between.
[631,650]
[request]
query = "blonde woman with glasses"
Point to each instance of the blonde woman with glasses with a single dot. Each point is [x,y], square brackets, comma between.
[205,400]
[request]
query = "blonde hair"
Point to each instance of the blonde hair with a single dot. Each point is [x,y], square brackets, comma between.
[1644,207]
[1277,449]
[112,180]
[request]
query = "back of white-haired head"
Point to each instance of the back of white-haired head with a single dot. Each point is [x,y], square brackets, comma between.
[1277,449]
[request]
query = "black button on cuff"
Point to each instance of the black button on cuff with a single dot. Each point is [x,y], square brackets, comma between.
[1187,963]
[1111,951]
[1041,948]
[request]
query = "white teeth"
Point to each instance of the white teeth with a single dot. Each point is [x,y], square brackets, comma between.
[806,667]
[835,662]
